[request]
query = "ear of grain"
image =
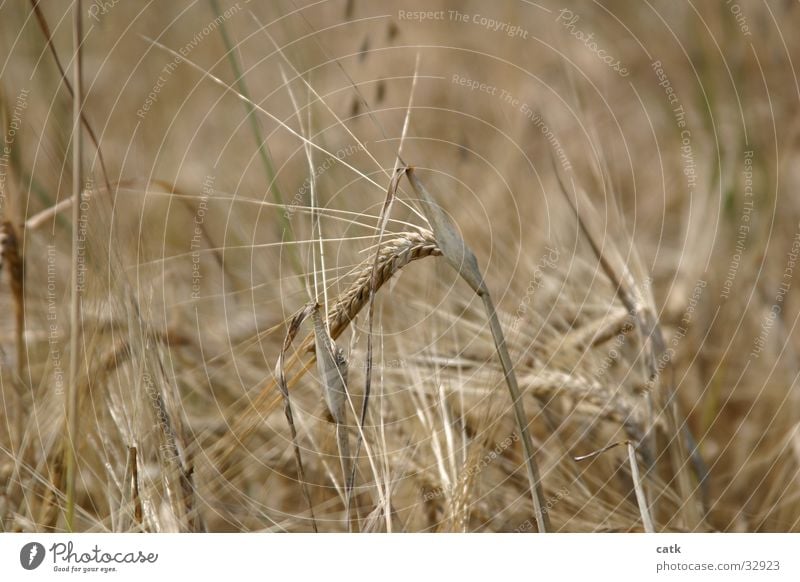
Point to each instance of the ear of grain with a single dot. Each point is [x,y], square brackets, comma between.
[401,250]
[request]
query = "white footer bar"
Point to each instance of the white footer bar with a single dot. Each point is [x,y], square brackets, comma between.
[401,557]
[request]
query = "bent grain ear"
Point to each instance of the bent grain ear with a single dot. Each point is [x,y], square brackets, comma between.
[463,260]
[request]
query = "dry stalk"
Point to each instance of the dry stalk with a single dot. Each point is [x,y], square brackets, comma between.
[332,370]
[462,260]
[75,300]
[283,388]
[641,498]
[130,492]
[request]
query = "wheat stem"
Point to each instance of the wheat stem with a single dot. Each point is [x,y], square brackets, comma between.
[75,300]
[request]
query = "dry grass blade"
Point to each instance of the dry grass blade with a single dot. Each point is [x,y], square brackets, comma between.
[641,498]
[131,503]
[135,498]
[51,492]
[332,369]
[75,302]
[280,372]
[462,259]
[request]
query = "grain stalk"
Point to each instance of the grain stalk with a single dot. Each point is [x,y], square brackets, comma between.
[332,370]
[75,300]
[280,373]
[641,498]
[461,258]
